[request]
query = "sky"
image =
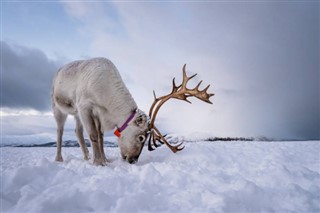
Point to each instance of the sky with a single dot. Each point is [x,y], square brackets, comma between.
[261,59]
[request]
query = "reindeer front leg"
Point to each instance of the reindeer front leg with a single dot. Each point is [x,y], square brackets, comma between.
[89,123]
[79,133]
[100,140]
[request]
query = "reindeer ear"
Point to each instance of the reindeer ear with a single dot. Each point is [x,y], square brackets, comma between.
[141,120]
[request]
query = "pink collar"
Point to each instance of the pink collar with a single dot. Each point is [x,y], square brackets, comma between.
[125,125]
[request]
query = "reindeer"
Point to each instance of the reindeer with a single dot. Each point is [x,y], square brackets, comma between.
[95,94]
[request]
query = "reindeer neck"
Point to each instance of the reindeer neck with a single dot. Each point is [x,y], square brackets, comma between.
[123,109]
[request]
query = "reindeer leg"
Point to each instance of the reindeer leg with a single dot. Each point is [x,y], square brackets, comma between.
[101,143]
[60,118]
[100,140]
[79,134]
[89,123]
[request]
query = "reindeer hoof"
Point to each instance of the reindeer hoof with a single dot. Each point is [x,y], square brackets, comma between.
[99,162]
[59,159]
[105,160]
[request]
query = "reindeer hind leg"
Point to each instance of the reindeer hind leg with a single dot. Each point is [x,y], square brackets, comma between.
[60,118]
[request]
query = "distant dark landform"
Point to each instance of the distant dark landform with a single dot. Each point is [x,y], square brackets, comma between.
[171,139]
[67,143]
[231,139]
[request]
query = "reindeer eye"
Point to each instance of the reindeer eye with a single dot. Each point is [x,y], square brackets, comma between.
[141,138]
[139,121]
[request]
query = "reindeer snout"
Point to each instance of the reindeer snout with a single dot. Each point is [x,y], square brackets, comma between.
[132,160]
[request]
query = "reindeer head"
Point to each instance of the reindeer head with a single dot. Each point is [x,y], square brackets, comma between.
[132,140]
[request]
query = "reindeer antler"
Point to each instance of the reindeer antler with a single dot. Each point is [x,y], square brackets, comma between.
[180,92]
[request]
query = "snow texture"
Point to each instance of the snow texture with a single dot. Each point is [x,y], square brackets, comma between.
[204,177]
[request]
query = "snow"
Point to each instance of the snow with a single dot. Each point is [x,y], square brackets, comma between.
[204,177]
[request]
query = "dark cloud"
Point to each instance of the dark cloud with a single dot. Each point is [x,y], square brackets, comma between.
[26,77]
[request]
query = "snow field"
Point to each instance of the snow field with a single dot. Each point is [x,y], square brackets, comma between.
[204,177]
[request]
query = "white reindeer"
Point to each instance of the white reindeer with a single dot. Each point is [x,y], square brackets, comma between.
[94,93]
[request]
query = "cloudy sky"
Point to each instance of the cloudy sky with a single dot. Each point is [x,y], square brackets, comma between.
[261,59]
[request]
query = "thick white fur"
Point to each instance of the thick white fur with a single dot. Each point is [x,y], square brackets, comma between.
[93,91]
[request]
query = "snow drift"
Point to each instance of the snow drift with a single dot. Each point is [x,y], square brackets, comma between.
[204,177]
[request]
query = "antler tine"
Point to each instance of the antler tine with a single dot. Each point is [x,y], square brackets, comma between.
[153,104]
[185,78]
[184,71]
[155,139]
[205,89]
[197,87]
[162,139]
[150,148]
[206,96]
[174,86]
[154,95]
